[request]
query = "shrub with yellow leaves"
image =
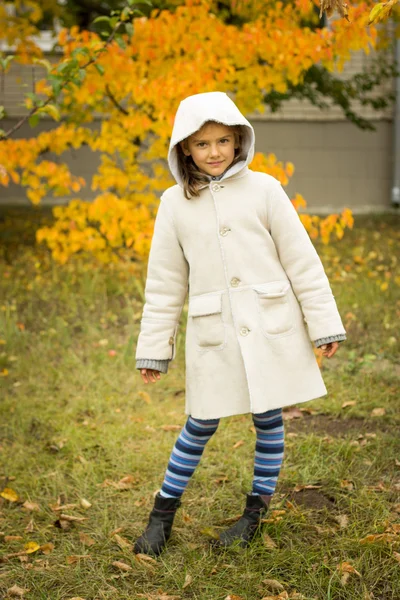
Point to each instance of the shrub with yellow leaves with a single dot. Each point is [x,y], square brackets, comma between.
[135,87]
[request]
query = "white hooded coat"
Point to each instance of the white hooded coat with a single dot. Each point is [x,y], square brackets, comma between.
[258,293]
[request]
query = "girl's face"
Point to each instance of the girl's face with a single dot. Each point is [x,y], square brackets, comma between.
[212,148]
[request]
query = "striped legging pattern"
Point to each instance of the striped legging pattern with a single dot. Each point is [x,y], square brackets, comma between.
[189,447]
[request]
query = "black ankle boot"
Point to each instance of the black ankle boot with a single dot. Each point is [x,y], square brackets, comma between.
[158,530]
[249,523]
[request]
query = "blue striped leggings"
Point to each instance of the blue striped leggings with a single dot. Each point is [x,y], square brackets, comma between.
[194,436]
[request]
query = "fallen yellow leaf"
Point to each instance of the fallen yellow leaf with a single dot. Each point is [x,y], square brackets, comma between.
[10,495]
[31,547]
[238,444]
[145,396]
[299,488]
[47,548]
[30,506]
[86,540]
[145,558]
[347,485]
[210,532]
[273,584]
[346,567]
[378,412]
[126,483]
[379,537]
[74,558]
[282,596]
[268,541]
[122,542]
[171,427]
[343,520]
[121,565]
[188,581]
[349,403]
[16,591]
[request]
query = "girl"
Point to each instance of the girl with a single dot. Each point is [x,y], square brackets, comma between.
[258,297]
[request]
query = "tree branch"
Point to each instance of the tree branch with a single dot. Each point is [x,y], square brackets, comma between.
[115,101]
[53,97]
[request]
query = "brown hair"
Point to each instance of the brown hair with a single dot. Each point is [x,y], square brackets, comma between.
[192,178]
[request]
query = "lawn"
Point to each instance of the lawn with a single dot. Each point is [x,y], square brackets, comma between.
[84,443]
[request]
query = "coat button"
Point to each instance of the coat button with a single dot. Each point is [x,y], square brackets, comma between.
[216,187]
[224,230]
[171,341]
[244,331]
[235,281]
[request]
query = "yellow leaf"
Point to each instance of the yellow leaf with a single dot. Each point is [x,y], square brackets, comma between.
[378,537]
[10,495]
[345,567]
[121,565]
[378,412]
[17,592]
[85,503]
[122,542]
[30,506]
[47,548]
[238,444]
[74,558]
[210,532]
[188,581]
[86,540]
[349,403]
[268,541]
[273,584]
[381,11]
[51,110]
[31,547]
[145,396]
[282,596]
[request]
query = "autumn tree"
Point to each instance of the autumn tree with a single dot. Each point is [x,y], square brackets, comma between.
[136,85]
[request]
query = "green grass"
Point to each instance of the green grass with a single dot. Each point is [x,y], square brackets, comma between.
[73,416]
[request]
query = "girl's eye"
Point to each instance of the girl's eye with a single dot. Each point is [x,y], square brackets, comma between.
[224,140]
[201,144]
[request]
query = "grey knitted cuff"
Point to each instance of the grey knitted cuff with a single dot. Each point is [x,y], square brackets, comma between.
[341,337]
[150,363]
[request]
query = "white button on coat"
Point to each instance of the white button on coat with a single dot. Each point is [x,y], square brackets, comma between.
[269,277]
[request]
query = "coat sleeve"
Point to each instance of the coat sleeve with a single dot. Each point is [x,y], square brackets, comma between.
[165,291]
[303,267]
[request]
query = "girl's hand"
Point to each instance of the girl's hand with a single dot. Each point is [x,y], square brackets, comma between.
[329,349]
[150,375]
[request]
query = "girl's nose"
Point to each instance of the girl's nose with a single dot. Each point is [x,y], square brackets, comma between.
[214,151]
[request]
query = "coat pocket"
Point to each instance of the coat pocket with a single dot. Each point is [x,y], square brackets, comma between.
[275,308]
[206,314]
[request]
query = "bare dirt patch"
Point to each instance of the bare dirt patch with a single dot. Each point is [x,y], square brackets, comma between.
[328,425]
[313,499]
